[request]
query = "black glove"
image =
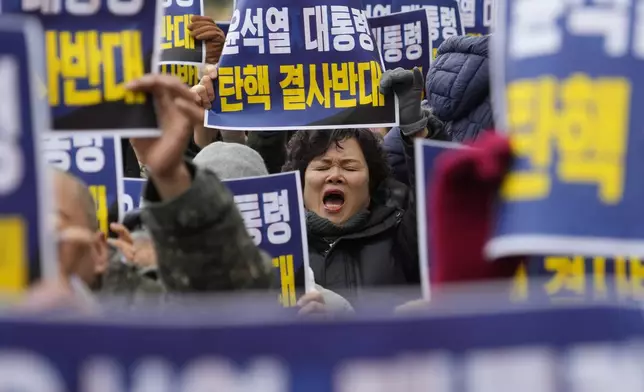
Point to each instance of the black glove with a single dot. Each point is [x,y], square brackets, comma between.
[408,86]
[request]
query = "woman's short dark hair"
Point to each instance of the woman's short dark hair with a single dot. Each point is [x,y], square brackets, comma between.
[305,146]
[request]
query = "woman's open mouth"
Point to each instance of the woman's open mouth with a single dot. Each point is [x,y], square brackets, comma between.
[333,200]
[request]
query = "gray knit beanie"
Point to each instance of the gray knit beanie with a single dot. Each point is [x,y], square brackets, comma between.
[231,160]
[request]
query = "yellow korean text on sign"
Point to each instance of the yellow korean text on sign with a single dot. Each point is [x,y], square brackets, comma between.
[83,69]
[573,129]
[342,85]
[576,278]
[175,33]
[99,193]
[14,257]
[287,279]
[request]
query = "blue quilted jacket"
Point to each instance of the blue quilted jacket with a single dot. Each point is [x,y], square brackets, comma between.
[458,87]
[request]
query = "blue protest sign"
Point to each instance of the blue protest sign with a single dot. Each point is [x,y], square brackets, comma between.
[273,212]
[92,50]
[178,46]
[510,350]
[97,161]
[26,244]
[189,74]
[568,279]
[426,153]
[132,197]
[404,39]
[300,65]
[375,8]
[444,16]
[224,26]
[575,185]
[476,16]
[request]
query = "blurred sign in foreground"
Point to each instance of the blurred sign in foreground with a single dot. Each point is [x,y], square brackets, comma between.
[569,97]
[26,244]
[567,350]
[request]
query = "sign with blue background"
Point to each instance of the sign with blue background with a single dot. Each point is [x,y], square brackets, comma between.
[569,105]
[529,350]
[178,46]
[273,212]
[96,160]
[576,279]
[444,16]
[404,39]
[132,197]
[477,16]
[92,50]
[26,244]
[375,8]
[425,155]
[300,65]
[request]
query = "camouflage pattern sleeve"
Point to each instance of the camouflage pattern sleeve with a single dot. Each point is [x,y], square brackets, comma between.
[121,277]
[201,241]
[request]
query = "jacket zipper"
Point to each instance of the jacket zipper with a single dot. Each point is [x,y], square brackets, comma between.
[330,248]
[334,243]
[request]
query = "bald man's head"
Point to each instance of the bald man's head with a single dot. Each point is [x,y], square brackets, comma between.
[74,201]
[75,208]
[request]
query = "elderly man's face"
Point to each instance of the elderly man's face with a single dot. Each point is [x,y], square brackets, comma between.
[86,254]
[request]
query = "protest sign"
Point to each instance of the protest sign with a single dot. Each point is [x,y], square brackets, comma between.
[273,212]
[404,39]
[189,74]
[178,46]
[92,50]
[300,65]
[132,197]
[444,16]
[567,279]
[425,154]
[476,16]
[376,8]
[26,242]
[575,186]
[97,161]
[181,54]
[548,349]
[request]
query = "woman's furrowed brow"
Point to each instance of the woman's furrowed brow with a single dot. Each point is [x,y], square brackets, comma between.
[350,160]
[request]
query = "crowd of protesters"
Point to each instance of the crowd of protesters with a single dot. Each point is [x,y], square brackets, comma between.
[358,191]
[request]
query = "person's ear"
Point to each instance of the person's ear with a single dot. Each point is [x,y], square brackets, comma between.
[101,251]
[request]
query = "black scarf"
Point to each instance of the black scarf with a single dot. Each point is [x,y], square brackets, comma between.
[320,227]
